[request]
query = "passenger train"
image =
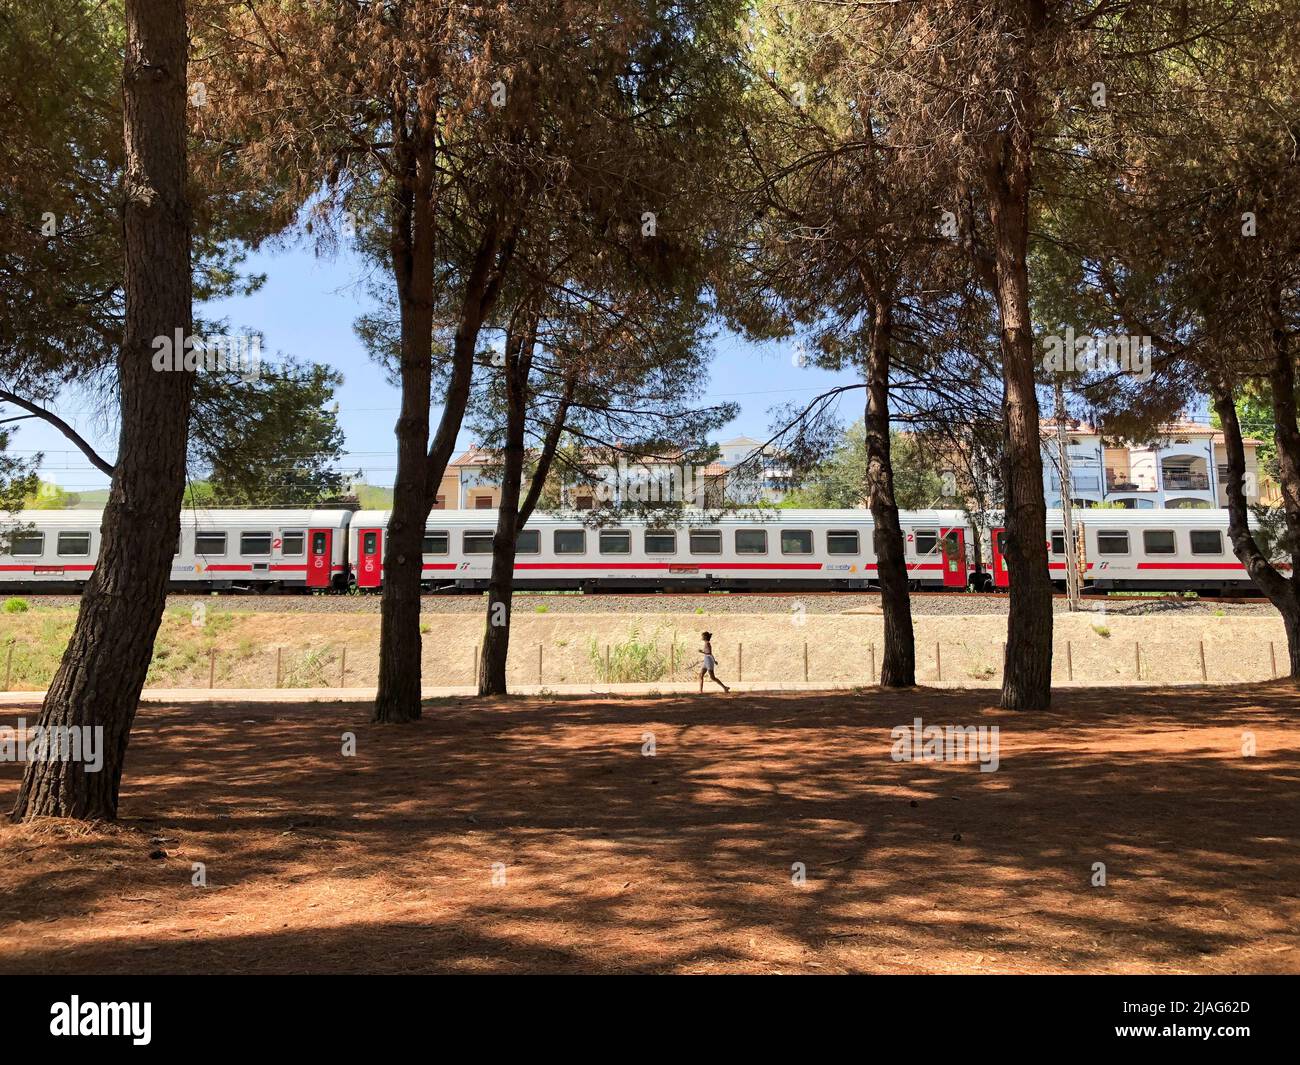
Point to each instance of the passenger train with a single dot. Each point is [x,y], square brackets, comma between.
[319,550]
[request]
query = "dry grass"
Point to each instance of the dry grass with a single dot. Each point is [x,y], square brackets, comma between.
[679,862]
[305,650]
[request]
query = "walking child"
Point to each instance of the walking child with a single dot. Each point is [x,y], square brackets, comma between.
[709,664]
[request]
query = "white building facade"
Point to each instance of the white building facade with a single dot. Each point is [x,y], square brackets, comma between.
[1186,466]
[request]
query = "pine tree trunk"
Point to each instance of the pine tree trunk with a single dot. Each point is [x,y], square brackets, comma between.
[1287,436]
[1291,626]
[496,636]
[419,474]
[104,668]
[400,648]
[1280,590]
[898,668]
[1027,671]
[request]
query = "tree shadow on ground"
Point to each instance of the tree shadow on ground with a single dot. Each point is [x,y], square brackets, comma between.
[540,835]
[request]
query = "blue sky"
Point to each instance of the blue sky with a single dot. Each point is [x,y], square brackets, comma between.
[307,308]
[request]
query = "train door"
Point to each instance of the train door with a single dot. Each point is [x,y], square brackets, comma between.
[955,569]
[370,557]
[1001,577]
[320,555]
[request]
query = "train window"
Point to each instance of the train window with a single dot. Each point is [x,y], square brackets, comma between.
[209,543]
[570,541]
[369,543]
[478,542]
[1058,541]
[796,542]
[74,543]
[1159,542]
[529,543]
[706,541]
[615,542]
[1206,541]
[1112,542]
[28,543]
[927,541]
[255,543]
[178,546]
[842,542]
[660,542]
[291,543]
[751,541]
[319,540]
[437,542]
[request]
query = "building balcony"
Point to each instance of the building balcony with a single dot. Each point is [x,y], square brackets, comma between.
[1126,481]
[1185,473]
[1084,481]
[1184,481]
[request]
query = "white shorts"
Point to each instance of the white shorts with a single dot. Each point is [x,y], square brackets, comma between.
[708,664]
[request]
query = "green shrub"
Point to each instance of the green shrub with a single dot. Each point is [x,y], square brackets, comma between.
[16,606]
[638,658]
[307,671]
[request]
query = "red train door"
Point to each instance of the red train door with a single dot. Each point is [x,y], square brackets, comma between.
[955,573]
[370,558]
[1001,578]
[320,556]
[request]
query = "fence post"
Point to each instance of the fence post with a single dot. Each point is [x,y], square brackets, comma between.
[874,678]
[1137,658]
[1069,658]
[740,661]
[473,677]
[805,661]
[938,662]
[279,653]
[539,663]
[343,667]
[1204,675]
[1272,657]
[609,677]
[212,667]
[672,658]
[9,666]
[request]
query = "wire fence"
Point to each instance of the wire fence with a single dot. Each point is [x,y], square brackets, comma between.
[1093,660]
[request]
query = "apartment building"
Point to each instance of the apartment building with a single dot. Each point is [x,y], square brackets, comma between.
[470,483]
[1185,466]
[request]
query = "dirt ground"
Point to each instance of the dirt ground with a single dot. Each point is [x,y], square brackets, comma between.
[536,835]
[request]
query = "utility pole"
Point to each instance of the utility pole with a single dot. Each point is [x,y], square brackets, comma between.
[1067,516]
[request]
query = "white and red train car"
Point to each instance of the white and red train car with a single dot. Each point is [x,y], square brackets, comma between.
[218,550]
[829,549]
[1179,549]
[1173,550]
